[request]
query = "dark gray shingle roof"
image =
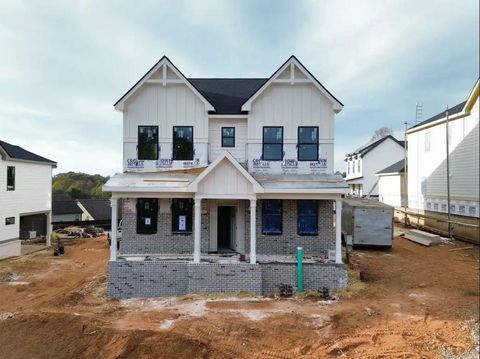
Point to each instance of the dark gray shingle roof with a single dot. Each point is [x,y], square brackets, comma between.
[17,152]
[65,206]
[100,209]
[370,146]
[227,95]
[451,111]
[397,167]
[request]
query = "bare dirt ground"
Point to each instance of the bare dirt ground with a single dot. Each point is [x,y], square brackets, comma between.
[414,302]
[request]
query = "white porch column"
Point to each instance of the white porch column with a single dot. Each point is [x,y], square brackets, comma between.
[197,230]
[253,239]
[338,231]
[49,229]
[113,231]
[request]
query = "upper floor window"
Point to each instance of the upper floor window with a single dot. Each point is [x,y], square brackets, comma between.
[427,142]
[272,216]
[228,136]
[272,148]
[182,210]
[353,166]
[308,143]
[147,213]
[148,142]
[307,217]
[358,163]
[10,178]
[183,143]
[348,167]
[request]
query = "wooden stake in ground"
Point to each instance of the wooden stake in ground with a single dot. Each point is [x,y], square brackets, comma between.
[459,249]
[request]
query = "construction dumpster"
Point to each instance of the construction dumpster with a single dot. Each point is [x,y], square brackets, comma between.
[367,222]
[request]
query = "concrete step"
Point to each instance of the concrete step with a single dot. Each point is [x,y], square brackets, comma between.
[423,238]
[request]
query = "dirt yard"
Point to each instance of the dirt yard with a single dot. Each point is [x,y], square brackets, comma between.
[413,302]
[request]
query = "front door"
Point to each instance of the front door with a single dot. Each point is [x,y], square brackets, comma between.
[225,227]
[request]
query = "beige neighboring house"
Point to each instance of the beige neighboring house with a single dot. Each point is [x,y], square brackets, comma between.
[427,166]
[25,197]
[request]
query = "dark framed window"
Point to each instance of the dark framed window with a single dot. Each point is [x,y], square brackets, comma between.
[183,143]
[148,142]
[228,136]
[10,178]
[147,215]
[307,218]
[272,144]
[182,213]
[308,143]
[272,216]
[9,221]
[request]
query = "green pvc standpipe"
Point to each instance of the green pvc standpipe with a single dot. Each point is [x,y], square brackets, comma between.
[299,269]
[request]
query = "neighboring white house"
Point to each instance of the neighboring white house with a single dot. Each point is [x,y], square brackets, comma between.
[238,166]
[25,197]
[363,164]
[427,161]
[391,185]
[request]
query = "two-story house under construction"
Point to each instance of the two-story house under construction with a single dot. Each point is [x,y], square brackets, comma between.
[223,178]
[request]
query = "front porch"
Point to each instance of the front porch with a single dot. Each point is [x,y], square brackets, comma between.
[224,231]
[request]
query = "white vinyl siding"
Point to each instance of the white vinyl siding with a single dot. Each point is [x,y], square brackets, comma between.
[33,193]
[215,137]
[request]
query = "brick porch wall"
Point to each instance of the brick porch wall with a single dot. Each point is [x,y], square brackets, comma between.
[164,241]
[289,240]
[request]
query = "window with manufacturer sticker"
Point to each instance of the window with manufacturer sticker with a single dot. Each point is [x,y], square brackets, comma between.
[147,215]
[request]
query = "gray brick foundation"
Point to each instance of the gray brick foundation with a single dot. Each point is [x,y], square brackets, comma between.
[157,278]
[224,278]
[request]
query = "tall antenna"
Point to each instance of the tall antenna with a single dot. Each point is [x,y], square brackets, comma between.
[418,112]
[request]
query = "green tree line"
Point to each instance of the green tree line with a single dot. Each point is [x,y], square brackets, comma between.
[80,185]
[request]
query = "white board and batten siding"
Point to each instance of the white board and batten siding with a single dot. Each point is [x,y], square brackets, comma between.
[427,170]
[225,182]
[215,137]
[291,106]
[165,107]
[32,194]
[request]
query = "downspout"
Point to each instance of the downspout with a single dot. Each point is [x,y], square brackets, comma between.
[448,175]
[405,179]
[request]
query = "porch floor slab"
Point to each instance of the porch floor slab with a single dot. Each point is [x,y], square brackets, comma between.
[223,258]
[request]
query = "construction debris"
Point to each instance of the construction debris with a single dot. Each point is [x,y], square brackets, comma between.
[459,249]
[423,238]
[285,290]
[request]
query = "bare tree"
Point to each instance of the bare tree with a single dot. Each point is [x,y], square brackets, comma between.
[381,133]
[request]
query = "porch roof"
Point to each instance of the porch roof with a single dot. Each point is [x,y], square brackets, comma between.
[187,182]
[309,183]
[149,182]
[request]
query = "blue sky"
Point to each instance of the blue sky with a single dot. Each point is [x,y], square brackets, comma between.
[64,63]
